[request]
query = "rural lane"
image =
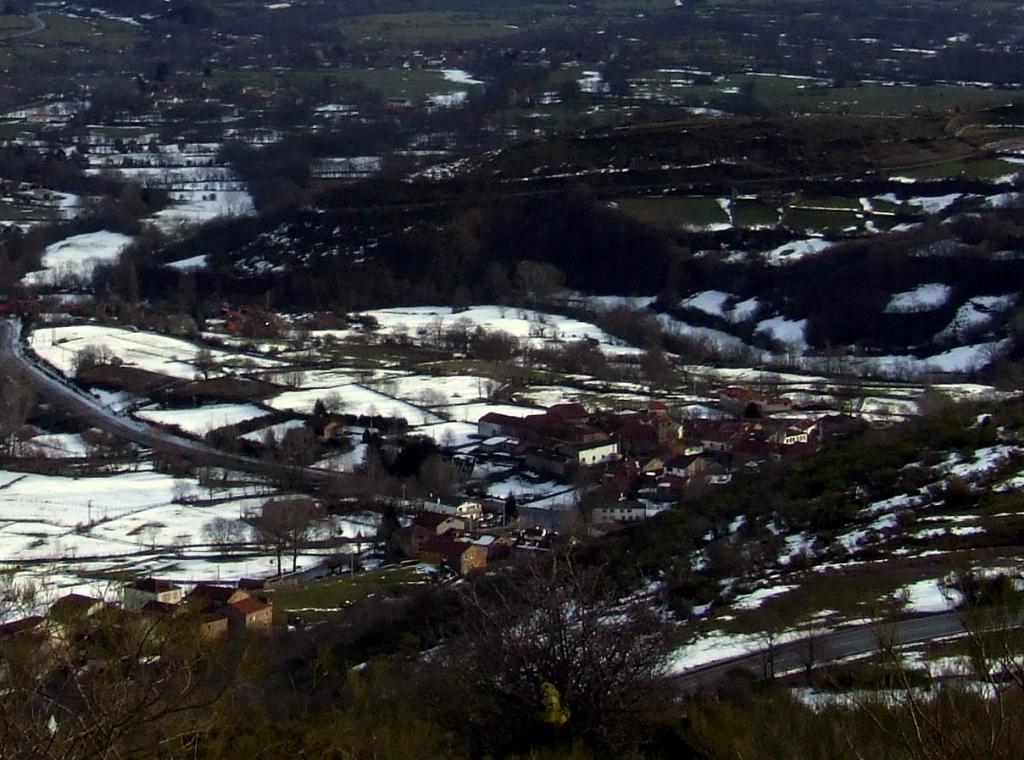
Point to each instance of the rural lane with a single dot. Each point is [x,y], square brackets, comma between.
[38,25]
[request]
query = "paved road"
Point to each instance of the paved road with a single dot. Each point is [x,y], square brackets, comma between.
[828,647]
[54,388]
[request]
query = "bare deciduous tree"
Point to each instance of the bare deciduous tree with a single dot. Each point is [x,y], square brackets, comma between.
[205,362]
[556,648]
[223,532]
[90,356]
[285,523]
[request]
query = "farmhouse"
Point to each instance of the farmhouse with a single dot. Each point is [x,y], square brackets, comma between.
[459,553]
[242,610]
[250,614]
[136,594]
[747,402]
[425,526]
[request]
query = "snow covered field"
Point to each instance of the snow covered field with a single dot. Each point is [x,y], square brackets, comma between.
[354,399]
[144,350]
[202,420]
[926,297]
[66,533]
[77,257]
[537,328]
[725,305]
[193,207]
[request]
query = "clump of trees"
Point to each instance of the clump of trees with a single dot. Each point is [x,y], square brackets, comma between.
[17,401]
[285,524]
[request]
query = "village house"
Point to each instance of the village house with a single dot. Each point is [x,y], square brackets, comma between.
[772,437]
[531,541]
[32,627]
[459,553]
[69,613]
[74,607]
[211,625]
[566,437]
[251,614]
[243,611]
[210,595]
[464,509]
[214,626]
[643,434]
[334,431]
[750,403]
[831,428]
[564,459]
[136,594]
[623,511]
[425,526]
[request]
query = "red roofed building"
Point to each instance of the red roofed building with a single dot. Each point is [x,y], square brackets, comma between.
[210,595]
[250,614]
[460,554]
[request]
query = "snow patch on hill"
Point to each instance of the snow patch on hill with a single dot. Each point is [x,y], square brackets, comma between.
[78,256]
[926,297]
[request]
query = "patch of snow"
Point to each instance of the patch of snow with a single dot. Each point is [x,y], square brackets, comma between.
[935,205]
[983,462]
[929,596]
[190,264]
[755,599]
[788,331]
[926,297]
[201,421]
[458,76]
[795,250]
[278,431]
[976,313]
[77,257]
[709,301]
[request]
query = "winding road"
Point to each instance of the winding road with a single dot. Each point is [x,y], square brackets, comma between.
[828,647]
[54,388]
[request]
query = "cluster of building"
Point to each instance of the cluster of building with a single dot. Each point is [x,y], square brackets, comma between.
[566,437]
[456,541]
[653,458]
[219,611]
[223,610]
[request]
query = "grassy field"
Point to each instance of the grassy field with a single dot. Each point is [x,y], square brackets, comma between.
[16,212]
[13,25]
[96,34]
[856,593]
[428,26]
[821,220]
[675,213]
[325,599]
[402,83]
[786,95]
[749,213]
[977,169]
